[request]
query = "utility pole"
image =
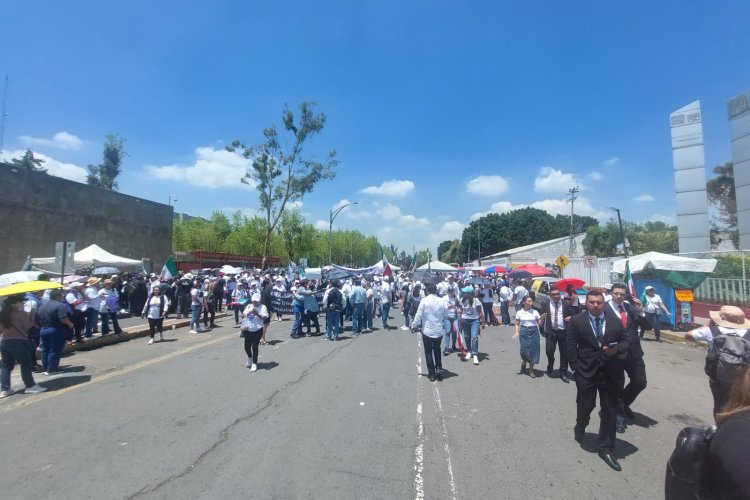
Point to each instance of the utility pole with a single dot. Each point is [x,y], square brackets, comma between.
[572,192]
[622,233]
[479,237]
[4,114]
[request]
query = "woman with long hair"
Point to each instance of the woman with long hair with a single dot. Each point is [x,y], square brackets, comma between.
[14,326]
[471,319]
[528,322]
[155,309]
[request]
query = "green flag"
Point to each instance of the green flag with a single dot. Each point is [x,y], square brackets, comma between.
[169,270]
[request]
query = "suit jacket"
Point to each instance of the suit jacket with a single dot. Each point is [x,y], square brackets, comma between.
[547,308]
[585,354]
[635,351]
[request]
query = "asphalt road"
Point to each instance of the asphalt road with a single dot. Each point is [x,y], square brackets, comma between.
[330,420]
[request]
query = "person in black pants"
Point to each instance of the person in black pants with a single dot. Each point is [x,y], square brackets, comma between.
[594,340]
[252,329]
[632,360]
[556,314]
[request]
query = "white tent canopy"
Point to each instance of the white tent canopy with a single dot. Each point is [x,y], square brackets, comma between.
[663,261]
[436,265]
[91,256]
[381,266]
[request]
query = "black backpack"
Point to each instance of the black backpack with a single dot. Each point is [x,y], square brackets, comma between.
[688,468]
[727,356]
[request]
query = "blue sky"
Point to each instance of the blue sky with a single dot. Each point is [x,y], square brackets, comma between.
[438,110]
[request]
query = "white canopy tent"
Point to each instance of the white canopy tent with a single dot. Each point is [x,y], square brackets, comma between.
[91,256]
[666,262]
[380,265]
[438,266]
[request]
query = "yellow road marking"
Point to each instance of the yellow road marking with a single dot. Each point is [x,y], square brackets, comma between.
[46,395]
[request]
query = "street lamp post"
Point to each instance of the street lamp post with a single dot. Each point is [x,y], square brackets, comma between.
[172,197]
[332,216]
[622,233]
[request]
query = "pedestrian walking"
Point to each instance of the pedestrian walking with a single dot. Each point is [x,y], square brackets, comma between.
[528,322]
[430,317]
[653,306]
[450,325]
[14,326]
[334,305]
[55,325]
[557,314]
[109,307]
[252,329]
[267,300]
[93,304]
[196,306]
[155,309]
[471,320]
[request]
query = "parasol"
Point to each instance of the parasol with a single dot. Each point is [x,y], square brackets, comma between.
[496,269]
[102,271]
[481,281]
[536,270]
[28,286]
[519,274]
[565,282]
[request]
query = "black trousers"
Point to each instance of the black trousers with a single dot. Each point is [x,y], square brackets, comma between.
[555,340]
[252,342]
[310,319]
[432,353]
[154,325]
[586,401]
[636,370]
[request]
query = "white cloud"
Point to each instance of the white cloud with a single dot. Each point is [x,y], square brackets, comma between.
[321,224]
[582,207]
[487,185]
[551,180]
[212,168]
[612,161]
[69,171]
[667,219]
[595,176]
[450,230]
[501,207]
[61,140]
[391,212]
[644,198]
[391,188]
[294,204]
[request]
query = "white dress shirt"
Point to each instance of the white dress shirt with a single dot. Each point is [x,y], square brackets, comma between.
[431,313]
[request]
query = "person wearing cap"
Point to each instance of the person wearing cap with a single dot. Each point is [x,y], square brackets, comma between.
[653,306]
[77,309]
[14,325]
[450,325]
[471,319]
[729,321]
[93,303]
[109,305]
[155,309]
[196,306]
[240,298]
[252,329]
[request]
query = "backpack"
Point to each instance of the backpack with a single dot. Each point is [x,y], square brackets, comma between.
[688,468]
[727,356]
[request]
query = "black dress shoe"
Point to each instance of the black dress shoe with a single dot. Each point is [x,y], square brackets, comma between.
[431,377]
[578,433]
[564,378]
[439,374]
[549,372]
[628,412]
[620,427]
[610,460]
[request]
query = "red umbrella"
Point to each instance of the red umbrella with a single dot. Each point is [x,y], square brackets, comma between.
[563,283]
[536,270]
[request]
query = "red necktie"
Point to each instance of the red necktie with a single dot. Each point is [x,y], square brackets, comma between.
[623,317]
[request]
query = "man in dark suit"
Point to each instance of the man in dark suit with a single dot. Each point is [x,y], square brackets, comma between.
[633,359]
[556,313]
[594,340]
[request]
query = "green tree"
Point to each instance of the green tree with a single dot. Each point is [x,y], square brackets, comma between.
[509,230]
[280,170]
[453,253]
[105,174]
[580,224]
[299,237]
[29,163]
[443,247]
[605,241]
[721,194]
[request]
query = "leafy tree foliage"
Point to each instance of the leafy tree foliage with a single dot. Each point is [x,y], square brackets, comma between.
[105,174]
[280,170]
[299,237]
[452,253]
[443,247]
[29,163]
[603,241]
[721,194]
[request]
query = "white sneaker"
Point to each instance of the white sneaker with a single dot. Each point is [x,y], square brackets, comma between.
[5,394]
[151,341]
[161,337]
[468,356]
[253,368]
[249,363]
[404,327]
[476,359]
[192,331]
[35,389]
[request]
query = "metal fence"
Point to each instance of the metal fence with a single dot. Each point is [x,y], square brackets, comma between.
[593,276]
[734,291]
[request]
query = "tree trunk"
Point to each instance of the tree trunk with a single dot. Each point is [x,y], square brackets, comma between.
[266,244]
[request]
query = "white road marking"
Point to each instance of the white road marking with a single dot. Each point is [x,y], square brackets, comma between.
[419,450]
[446,447]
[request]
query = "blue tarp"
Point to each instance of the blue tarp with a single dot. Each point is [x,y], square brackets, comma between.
[664,291]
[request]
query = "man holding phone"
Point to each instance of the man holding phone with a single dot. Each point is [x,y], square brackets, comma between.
[593,340]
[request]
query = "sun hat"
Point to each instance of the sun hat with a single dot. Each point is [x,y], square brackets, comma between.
[93,281]
[468,289]
[730,317]
[649,287]
[75,284]
[255,297]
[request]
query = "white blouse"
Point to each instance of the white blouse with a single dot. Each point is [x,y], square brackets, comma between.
[528,318]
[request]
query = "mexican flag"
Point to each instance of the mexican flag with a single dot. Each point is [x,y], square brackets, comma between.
[169,270]
[629,279]
[386,266]
[414,261]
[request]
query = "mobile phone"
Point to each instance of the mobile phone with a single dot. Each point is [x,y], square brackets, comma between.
[612,344]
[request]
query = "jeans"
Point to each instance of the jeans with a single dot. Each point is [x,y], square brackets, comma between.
[105,323]
[92,317]
[487,310]
[297,325]
[654,319]
[505,313]
[53,343]
[471,328]
[15,351]
[368,315]
[195,318]
[358,317]
[449,338]
[384,310]
[432,353]
[332,324]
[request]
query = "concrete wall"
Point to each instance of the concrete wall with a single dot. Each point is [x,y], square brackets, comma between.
[37,210]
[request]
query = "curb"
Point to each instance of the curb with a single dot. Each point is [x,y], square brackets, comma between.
[128,333]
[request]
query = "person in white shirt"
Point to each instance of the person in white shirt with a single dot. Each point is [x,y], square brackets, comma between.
[506,297]
[487,303]
[449,325]
[431,315]
[519,293]
[653,306]
[385,302]
[528,322]
[93,303]
[471,319]
[155,309]
[77,302]
[280,288]
[252,329]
